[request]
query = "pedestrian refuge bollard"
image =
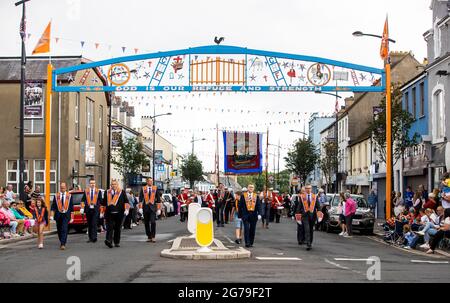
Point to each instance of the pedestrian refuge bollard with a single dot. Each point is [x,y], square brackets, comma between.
[204,230]
[192,218]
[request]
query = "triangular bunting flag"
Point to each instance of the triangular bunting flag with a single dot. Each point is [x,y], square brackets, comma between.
[97,45]
[82,44]
[43,45]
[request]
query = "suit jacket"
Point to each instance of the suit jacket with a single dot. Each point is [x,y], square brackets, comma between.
[300,209]
[243,211]
[149,207]
[58,214]
[97,205]
[119,207]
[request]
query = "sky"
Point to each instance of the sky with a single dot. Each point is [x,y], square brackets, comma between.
[317,28]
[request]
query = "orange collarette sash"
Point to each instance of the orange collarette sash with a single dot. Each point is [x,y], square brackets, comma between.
[39,217]
[113,200]
[250,203]
[88,197]
[149,199]
[305,203]
[62,208]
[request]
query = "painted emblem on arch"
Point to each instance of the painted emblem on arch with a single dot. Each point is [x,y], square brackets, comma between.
[119,74]
[319,74]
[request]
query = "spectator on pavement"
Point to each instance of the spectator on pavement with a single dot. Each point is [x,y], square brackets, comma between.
[399,204]
[2,193]
[24,212]
[408,197]
[9,194]
[444,231]
[431,202]
[417,200]
[350,211]
[341,213]
[26,222]
[237,220]
[15,224]
[410,238]
[373,199]
[431,228]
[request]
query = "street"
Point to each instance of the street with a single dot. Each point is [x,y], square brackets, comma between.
[276,257]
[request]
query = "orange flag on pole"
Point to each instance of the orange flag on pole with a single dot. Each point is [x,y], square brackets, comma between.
[384,50]
[43,45]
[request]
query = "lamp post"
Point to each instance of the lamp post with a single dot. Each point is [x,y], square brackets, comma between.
[22,100]
[336,95]
[299,132]
[195,140]
[389,161]
[154,136]
[277,179]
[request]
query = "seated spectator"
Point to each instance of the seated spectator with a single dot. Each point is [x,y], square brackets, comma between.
[2,194]
[410,238]
[36,194]
[431,202]
[431,228]
[28,216]
[399,204]
[444,231]
[4,222]
[26,221]
[15,224]
[409,194]
[9,194]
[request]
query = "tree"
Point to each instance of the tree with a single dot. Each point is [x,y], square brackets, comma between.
[192,169]
[401,125]
[302,159]
[130,158]
[329,161]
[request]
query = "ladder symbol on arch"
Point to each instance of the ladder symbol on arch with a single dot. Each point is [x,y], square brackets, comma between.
[355,78]
[159,71]
[275,69]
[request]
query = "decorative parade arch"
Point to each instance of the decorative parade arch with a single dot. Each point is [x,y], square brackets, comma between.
[224,68]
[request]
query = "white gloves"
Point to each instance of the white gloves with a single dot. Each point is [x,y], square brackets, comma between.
[141,211]
[259,217]
[126,212]
[52,219]
[71,221]
[82,211]
[102,216]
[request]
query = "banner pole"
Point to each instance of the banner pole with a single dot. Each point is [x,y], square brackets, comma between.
[267,163]
[217,155]
[48,137]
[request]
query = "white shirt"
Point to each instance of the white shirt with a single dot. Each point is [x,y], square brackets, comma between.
[445,204]
[424,219]
[9,195]
[447,221]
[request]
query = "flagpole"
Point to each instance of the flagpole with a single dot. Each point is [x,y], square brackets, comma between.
[267,163]
[217,155]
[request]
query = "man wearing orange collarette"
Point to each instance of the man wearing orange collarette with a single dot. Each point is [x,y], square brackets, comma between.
[62,213]
[306,215]
[249,208]
[114,207]
[149,202]
[92,199]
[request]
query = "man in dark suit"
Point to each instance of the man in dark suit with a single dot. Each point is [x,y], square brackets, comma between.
[62,213]
[229,200]
[115,206]
[250,211]
[306,212]
[149,200]
[92,200]
[220,205]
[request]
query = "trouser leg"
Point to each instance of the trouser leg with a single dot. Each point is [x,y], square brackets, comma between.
[147,224]
[252,230]
[109,228]
[300,233]
[117,228]
[59,229]
[152,224]
[307,229]
[64,230]
[246,231]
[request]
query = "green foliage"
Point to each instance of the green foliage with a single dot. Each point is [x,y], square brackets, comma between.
[302,159]
[192,169]
[401,125]
[129,158]
[260,181]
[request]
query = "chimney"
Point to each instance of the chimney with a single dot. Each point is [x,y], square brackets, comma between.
[349,101]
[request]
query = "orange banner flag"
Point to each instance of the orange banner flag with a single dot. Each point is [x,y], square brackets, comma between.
[43,45]
[384,50]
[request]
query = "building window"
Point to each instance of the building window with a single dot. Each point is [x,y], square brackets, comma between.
[439,115]
[422,99]
[90,120]
[100,125]
[12,174]
[414,102]
[34,126]
[77,115]
[407,101]
[39,175]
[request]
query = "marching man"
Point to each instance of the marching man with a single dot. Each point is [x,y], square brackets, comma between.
[183,198]
[249,208]
[62,213]
[306,215]
[114,207]
[149,202]
[277,205]
[92,199]
[266,204]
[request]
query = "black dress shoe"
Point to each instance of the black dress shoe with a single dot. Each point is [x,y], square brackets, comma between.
[108,244]
[237,241]
[248,246]
[308,248]
[117,245]
[300,243]
[89,241]
[95,240]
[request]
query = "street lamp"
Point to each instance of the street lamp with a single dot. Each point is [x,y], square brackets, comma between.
[299,132]
[195,140]
[336,95]
[154,135]
[22,100]
[389,162]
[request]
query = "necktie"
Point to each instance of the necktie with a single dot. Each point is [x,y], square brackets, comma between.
[309,201]
[62,200]
[92,194]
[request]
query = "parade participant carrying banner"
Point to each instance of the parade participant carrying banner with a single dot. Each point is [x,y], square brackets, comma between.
[243,153]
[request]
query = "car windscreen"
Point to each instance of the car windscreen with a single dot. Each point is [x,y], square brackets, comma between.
[362,203]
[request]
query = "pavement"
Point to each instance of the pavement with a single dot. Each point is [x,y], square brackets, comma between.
[275,257]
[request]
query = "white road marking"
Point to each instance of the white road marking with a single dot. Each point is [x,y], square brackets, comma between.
[353,260]
[229,240]
[430,262]
[342,267]
[277,259]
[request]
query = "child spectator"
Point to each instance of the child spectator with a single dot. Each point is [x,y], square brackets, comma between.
[410,238]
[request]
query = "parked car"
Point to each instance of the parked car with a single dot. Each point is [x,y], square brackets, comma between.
[363,221]
[79,220]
